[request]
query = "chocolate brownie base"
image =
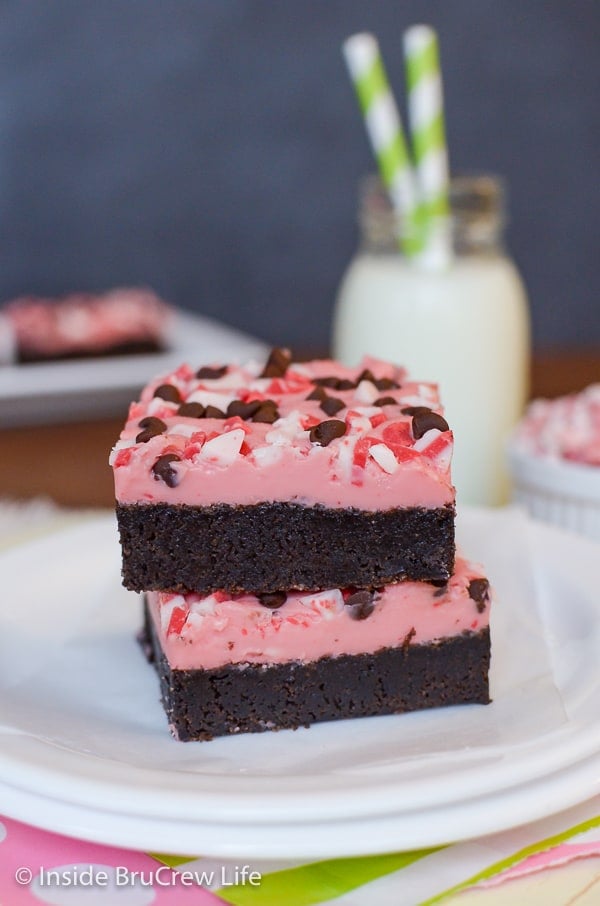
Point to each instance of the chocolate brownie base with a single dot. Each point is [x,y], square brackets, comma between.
[252,698]
[279,546]
[26,357]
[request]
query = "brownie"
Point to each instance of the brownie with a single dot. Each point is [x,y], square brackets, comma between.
[279,546]
[252,698]
[148,347]
[122,321]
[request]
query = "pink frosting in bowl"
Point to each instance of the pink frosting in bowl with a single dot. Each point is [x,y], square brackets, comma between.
[554,457]
[566,428]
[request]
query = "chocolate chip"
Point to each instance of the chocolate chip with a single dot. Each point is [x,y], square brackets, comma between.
[191,410]
[479,591]
[213,412]
[441,591]
[211,374]
[273,600]
[168,392]
[415,410]
[366,375]
[333,382]
[144,436]
[423,420]
[318,394]
[361,604]
[243,410]
[325,432]
[385,401]
[162,469]
[277,363]
[151,421]
[267,413]
[386,383]
[152,427]
[331,405]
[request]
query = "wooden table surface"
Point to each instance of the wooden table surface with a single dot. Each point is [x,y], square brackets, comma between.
[69,462]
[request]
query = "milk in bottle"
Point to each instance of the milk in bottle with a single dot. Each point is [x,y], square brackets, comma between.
[465,327]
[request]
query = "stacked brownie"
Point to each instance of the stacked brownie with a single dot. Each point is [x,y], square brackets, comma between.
[292,526]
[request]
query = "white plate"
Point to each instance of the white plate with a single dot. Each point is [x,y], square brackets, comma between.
[85,388]
[84,748]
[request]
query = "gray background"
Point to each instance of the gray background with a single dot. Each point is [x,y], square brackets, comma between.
[212,149]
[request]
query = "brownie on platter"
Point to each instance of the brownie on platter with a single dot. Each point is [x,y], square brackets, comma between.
[120,322]
[275,476]
[245,663]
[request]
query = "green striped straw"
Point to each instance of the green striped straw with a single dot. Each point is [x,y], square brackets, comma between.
[384,128]
[426,114]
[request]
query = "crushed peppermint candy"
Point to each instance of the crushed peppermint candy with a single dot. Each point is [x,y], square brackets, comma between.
[564,428]
[352,427]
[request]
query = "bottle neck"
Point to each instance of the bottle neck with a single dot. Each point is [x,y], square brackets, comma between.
[477,217]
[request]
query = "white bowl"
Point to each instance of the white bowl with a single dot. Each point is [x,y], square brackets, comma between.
[556,490]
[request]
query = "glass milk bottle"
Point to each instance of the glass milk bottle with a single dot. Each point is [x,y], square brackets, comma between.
[465,327]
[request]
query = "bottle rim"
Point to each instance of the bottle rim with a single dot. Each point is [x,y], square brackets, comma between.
[478,216]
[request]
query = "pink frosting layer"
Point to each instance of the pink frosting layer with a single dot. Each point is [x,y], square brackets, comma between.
[564,428]
[377,464]
[82,322]
[218,629]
